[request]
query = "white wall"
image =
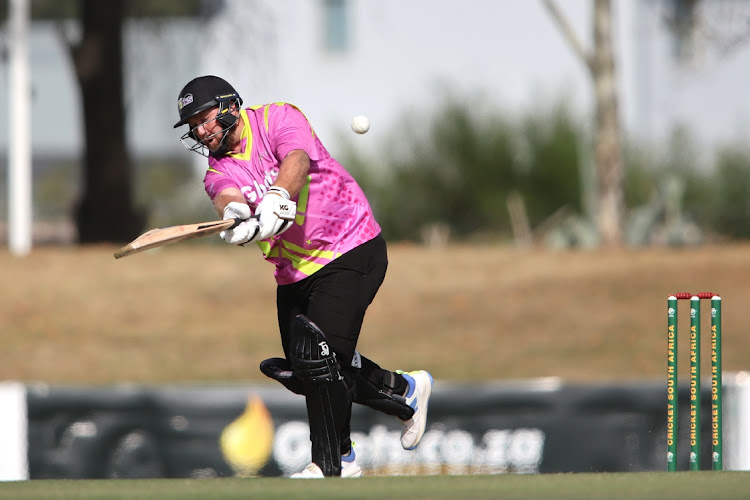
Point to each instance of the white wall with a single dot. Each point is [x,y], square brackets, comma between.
[401,54]
[13,435]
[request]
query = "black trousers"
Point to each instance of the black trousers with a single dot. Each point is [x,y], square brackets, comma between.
[336,299]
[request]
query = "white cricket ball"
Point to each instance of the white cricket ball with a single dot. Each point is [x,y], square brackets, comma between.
[360,124]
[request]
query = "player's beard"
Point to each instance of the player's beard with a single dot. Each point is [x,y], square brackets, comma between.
[223,147]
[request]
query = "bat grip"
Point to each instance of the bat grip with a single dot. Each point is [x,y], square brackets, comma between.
[237,221]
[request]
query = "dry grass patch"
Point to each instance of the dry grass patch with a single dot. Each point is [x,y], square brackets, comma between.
[196,312]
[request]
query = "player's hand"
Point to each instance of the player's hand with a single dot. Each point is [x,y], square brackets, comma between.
[244,232]
[275,212]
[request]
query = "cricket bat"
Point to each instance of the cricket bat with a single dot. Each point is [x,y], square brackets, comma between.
[174,234]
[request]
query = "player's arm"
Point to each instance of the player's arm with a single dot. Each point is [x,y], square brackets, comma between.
[293,172]
[276,211]
[225,197]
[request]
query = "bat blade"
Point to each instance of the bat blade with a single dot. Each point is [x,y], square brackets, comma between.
[173,234]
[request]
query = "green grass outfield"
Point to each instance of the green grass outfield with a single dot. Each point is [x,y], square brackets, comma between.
[641,485]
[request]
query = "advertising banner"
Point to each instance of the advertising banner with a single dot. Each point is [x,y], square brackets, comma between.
[533,426]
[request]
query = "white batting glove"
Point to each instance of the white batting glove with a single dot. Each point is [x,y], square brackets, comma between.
[246,231]
[275,212]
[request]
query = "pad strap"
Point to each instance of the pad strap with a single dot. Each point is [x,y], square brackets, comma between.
[312,359]
[281,370]
[389,383]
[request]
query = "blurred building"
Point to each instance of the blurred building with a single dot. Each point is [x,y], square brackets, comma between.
[338,58]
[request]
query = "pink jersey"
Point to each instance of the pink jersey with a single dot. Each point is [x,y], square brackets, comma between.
[333,214]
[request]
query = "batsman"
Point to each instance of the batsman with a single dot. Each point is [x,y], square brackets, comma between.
[312,221]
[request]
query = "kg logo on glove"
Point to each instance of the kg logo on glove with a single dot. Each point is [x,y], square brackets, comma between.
[275,212]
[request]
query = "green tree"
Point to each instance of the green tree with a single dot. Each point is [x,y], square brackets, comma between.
[552,179]
[599,62]
[461,172]
[106,210]
[731,214]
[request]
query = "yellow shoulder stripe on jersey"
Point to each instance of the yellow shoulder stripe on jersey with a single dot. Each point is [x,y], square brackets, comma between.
[212,169]
[268,106]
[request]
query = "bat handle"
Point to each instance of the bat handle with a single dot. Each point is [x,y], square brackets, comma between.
[237,221]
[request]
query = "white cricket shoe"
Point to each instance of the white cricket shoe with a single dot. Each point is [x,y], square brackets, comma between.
[349,468]
[312,471]
[418,397]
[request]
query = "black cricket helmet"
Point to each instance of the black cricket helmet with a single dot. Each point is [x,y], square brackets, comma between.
[203,93]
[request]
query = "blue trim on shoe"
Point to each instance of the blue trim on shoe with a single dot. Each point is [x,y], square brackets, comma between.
[411,383]
[349,457]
